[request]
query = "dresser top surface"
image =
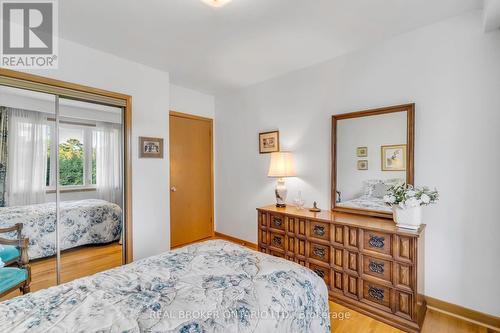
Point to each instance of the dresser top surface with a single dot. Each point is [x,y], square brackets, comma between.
[361,221]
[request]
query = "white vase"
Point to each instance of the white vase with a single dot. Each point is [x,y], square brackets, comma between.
[280,192]
[408,218]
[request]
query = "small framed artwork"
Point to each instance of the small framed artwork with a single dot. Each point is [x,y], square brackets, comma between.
[150,147]
[363,165]
[269,142]
[394,158]
[362,151]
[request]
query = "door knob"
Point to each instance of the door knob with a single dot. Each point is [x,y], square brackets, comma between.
[173,189]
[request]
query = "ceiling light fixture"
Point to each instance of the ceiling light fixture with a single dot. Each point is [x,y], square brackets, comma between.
[216,3]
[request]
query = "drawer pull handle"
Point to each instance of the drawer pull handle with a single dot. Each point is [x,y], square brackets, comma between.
[319,230]
[277,222]
[376,241]
[376,267]
[319,252]
[277,240]
[319,272]
[376,293]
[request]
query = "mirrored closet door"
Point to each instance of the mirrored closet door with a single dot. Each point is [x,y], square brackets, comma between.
[25,166]
[62,182]
[91,187]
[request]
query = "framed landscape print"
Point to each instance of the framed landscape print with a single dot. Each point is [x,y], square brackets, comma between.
[362,151]
[150,147]
[362,165]
[269,142]
[394,158]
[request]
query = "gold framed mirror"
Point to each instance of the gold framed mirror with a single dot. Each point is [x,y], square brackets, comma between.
[372,150]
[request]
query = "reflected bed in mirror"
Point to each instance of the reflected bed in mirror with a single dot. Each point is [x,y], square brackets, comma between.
[372,151]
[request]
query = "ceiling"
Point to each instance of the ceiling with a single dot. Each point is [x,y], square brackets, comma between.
[215,50]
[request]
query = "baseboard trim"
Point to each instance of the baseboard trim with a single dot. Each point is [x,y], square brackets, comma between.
[457,311]
[236,240]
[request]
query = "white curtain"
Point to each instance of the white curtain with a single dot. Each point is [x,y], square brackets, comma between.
[28,139]
[108,150]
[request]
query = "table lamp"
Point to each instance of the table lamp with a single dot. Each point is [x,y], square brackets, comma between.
[281,166]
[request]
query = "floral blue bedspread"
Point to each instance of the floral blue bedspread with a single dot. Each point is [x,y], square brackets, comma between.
[82,222]
[215,286]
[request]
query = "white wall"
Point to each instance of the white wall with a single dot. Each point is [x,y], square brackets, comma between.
[451,70]
[150,90]
[191,101]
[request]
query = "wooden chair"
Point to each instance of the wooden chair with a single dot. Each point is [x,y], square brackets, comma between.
[14,254]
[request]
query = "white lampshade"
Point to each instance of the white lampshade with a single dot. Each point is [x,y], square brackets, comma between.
[216,3]
[282,165]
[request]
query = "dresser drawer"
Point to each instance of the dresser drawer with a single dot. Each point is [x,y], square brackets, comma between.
[351,237]
[290,244]
[277,241]
[351,262]
[337,281]
[319,230]
[277,253]
[404,249]
[262,219]
[404,305]
[377,294]
[379,268]
[351,286]
[322,272]
[319,252]
[277,222]
[338,235]
[377,242]
[338,258]
[263,237]
[403,277]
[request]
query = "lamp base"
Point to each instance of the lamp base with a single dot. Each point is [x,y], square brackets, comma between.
[280,193]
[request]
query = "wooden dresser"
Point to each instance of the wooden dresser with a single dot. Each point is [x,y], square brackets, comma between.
[368,263]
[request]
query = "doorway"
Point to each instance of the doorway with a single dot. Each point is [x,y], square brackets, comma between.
[191,178]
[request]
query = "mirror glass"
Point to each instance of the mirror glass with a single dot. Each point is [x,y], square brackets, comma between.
[371,156]
[25,165]
[91,187]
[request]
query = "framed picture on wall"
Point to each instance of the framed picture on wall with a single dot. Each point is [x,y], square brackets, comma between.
[362,151]
[394,158]
[150,147]
[362,165]
[269,142]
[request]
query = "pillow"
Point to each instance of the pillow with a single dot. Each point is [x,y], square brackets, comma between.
[379,190]
[394,182]
[369,187]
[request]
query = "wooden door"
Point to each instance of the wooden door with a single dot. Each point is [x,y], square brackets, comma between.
[191,178]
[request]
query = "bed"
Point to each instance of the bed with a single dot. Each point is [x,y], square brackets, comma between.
[214,286]
[372,195]
[82,222]
[364,202]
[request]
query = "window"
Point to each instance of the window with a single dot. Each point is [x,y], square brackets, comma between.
[77,165]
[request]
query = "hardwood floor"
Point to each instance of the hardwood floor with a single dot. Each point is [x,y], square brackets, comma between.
[435,322]
[89,260]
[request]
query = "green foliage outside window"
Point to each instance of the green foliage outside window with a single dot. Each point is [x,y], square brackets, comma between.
[71,162]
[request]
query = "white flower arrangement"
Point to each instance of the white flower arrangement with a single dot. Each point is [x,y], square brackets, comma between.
[407,196]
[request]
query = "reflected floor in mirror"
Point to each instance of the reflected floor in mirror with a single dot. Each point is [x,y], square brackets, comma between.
[77,263]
